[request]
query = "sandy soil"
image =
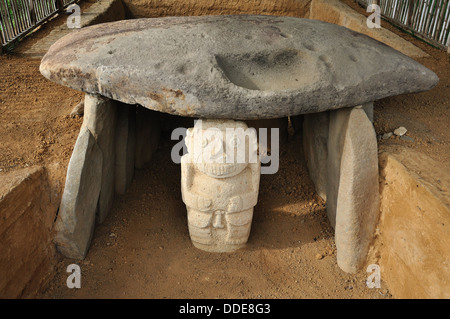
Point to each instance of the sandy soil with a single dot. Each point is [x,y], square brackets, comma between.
[34,123]
[143,249]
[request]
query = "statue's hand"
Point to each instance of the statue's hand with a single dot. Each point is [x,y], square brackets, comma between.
[203,202]
[235,204]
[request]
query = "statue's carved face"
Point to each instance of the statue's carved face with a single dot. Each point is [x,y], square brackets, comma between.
[221,148]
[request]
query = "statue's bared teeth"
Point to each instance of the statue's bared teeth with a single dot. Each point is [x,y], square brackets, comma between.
[218,170]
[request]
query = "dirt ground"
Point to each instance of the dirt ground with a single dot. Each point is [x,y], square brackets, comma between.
[143,249]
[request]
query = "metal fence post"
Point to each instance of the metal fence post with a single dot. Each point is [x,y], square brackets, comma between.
[60,5]
[32,12]
[410,12]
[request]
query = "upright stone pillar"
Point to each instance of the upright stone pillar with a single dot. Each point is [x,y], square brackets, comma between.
[352,185]
[76,217]
[125,147]
[368,108]
[148,128]
[100,116]
[315,140]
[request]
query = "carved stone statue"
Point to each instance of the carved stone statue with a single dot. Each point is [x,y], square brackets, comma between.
[219,183]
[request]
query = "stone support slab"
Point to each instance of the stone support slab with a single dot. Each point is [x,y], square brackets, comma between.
[148,128]
[315,137]
[352,185]
[125,147]
[100,117]
[76,217]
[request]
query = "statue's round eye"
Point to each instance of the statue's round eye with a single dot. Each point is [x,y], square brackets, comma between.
[204,142]
[235,141]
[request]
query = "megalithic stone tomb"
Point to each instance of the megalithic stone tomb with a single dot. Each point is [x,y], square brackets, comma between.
[225,69]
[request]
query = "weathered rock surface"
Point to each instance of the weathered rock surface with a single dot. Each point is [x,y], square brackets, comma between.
[78,109]
[352,185]
[100,117]
[315,146]
[76,218]
[235,67]
[315,141]
[26,220]
[414,227]
[368,108]
[125,147]
[148,130]
[400,131]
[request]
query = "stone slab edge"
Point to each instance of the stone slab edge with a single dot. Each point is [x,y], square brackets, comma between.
[341,14]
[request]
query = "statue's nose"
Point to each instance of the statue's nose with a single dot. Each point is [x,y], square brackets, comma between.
[217,150]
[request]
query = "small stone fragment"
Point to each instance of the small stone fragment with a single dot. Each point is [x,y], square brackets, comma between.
[386,136]
[400,131]
[78,110]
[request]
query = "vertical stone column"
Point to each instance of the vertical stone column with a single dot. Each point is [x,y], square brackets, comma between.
[125,147]
[220,193]
[315,146]
[89,189]
[368,108]
[102,163]
[352,185]
[341,154]
[148,128]
[315,138]
[100,116]
[297,122]
[76,218]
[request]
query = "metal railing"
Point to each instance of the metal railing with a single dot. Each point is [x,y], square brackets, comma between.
[426,19]
[19,17]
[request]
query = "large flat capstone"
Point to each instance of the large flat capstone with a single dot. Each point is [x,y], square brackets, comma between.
[233,67]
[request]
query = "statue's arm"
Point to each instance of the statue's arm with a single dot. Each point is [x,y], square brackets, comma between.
[247,200]
[191,198]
